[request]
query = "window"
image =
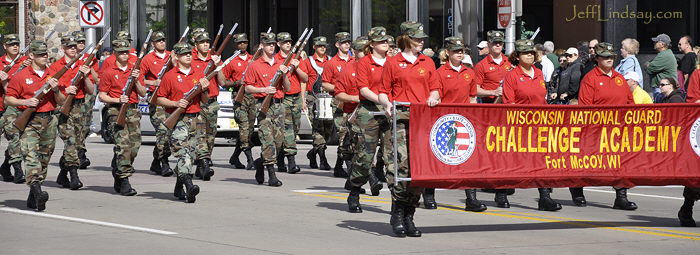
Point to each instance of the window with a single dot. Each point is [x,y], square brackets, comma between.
[8,18]
[196,11]
[332,16]
[389,14]
[156,15]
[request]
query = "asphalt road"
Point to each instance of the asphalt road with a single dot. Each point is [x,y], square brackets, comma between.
[307,215]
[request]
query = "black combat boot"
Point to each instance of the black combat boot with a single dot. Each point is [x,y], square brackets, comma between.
[84,161]
[293,168]
[685,214]
[338,168]
[501,198]
[249,158]
[354,200]
[75,182]
[323,164]
[272,178]
[117,182]
[429,198]
[397,219]
[5,169]
[19,173]
[311,155]
[374,185]
[546,203]
[37,198]
[179,191]
[281,167]
[206,171]
[348,187]
[621,201]
[155,164]
[411,230]
[259,171]
[577,196]
[62,178]
[165,171]
[125,188]
[198,170]
[472,204]
[191,189]
[234,160]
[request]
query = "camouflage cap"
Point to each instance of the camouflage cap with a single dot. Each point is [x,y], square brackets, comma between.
[242,37]
[378,34]
[182,48]
[157,36]
[604,49]
[391,41]
[124,35]
[203,36]
[342,37]
[79,35]
[267,38]
[495,36]
[11,39]
[195,32]
[413,29]
[454,43]
[38,47]
[121,45]
[68,40]
[283,37]
[359,43]
[524,45]
[320,40]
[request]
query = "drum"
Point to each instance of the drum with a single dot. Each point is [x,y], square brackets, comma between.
[324,107]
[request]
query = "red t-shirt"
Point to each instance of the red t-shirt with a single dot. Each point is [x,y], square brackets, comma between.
[95,64]
[520,88]
[489,74]
[406,82]
[457,86]
[67,78]
[151,64]
[26,83]
[347,83]
[200,65]
[260,75]
[313,76]
[4,62]
[234,70]
[113,80]
[693,87]
[599,88]
[333,67]
[369,74]
[175,84]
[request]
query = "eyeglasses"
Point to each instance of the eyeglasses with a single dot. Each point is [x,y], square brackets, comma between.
[664,84]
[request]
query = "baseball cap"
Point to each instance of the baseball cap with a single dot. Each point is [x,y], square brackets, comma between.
[663,38]
[632,75]
[571,51]
[482,44]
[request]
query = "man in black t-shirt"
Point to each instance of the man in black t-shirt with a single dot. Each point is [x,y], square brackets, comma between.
[687,64]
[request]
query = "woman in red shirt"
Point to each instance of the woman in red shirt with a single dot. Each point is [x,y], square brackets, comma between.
[525,85]
[407,77]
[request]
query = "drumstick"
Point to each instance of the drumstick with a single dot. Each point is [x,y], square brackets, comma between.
[307,117]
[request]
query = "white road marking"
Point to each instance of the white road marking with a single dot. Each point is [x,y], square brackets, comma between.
[86,221]
[634,194]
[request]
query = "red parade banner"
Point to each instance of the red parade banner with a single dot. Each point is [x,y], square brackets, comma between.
[523,146]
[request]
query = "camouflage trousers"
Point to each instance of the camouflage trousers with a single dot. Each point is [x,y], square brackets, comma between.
[37,143]
[292,120]
[12,134]
[71,130]
[401,191]
[270,131]
[87,121]
[372,133]
[245,118]
[162,146]
[127,139]
[321,129]
[346,147]
[338,121]
[206,135]
[184,142]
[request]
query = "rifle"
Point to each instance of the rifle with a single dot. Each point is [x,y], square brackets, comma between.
[8,67]
[152,100]
[171,121]
[23,119]
[221,49]
[65,108]
[278,76]
[241,88]
[216,39]
[129,87]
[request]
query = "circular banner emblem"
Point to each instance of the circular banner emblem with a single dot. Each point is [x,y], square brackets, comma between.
[452,139]
[695,137]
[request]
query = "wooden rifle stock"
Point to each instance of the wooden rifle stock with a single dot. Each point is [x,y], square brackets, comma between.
[275,81]
[129,87]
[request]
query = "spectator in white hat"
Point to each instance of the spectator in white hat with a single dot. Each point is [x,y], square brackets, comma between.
[570,78]
[483,47]
[640,96]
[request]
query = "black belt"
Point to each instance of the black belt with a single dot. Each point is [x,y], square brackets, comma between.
[211,100]
[292,95]
[128,105]
[191,115]
[42,114]
[368,103]
[274,100]
[80,100]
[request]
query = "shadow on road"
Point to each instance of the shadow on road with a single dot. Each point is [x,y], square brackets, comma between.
[17,204]
[343,207]
[159,195]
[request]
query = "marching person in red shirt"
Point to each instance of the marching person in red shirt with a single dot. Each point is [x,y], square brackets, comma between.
[127,139]
[210,109]
[110,61]
[183,138]
[13,154]
[330,76]
[604,86]
[89,103]
[407,77]
[319,128]
[459,86]
[151,65]
[231,76]
[70,126]
[257,82]
[525,85]
[491,70]
[38,139]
